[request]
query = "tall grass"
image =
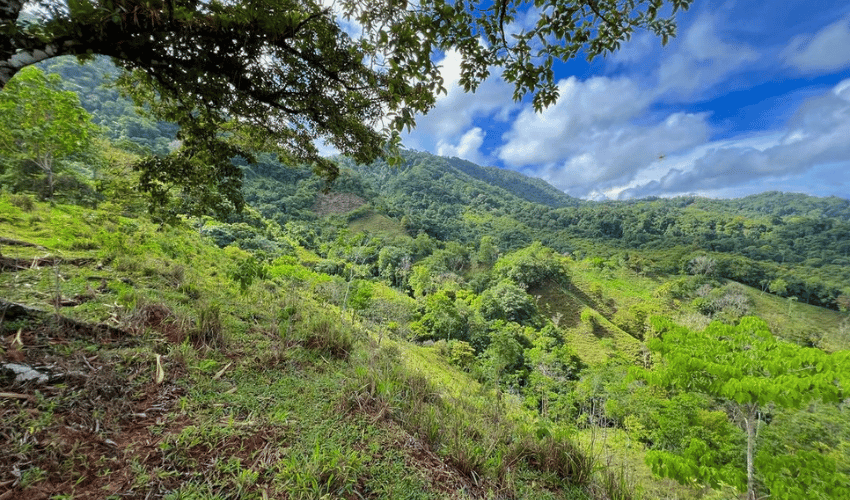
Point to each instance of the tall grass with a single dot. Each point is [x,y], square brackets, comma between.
[480,443]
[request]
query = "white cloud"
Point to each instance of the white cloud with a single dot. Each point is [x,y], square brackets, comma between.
[466,148]
[639,48]
[702,59]
[826,50]
[456,111]
[588,140]
[818,136]
[585,109]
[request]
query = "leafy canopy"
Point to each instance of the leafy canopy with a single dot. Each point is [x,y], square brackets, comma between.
[275,75]
[746,364]
[748,368]
[41,124]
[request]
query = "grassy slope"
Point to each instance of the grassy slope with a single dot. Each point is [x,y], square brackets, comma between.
[280,409]
[203,390]
[608,292]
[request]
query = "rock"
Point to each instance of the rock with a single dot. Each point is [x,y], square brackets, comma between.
[23,373]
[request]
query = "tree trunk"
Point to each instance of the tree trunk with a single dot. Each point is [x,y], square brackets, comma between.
[750,424]
[45,162]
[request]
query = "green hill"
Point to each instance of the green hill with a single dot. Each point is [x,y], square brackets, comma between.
[432,330]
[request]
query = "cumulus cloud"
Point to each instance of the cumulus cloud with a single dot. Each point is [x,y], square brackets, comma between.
[466,148]
[456,110]
[585,108]
[589,139]
[818,135]
[826,50]
[702,59]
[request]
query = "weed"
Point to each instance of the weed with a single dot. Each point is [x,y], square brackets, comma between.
[209,331]
[127,264]
[190,290]
[23,201]
[32,476]
[83,244]
[614,484]
[192,491]
[174,275]
[141,477]
[319,473]
[327,336]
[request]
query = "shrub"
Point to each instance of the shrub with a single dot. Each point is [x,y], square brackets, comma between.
[328,336]
[23,201]
[209,331]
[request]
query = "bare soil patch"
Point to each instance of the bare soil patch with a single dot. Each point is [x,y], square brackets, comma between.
[90,423]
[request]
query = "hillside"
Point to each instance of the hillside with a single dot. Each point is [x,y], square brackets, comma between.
[432,330]
[794,240]
[164,367]
[196,370]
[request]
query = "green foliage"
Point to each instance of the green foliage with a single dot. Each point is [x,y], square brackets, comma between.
[43,126]
[323,471]
[361,295]
[747,366]
[803,474]
[506,301]
[504,359]
[531,266]
[806,453]
[635,319]
[209,330]
[247,270]
[461,354]
[728,302]
[127,127]
[441,318]
[394,265]
[23,201]
[488,252]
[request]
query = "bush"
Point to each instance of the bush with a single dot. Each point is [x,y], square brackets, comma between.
[23,201]
[209,331]
[328,336]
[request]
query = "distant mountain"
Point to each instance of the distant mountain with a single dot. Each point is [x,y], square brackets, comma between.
[528,188]
[488,181]
[801,240]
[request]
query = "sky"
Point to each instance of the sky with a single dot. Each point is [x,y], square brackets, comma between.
[751,96]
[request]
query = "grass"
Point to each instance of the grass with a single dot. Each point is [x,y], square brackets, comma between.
[266,391]
[800,322]
[375,223]
[270,391]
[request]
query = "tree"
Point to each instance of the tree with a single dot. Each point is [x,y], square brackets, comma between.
[531,266]
[702,265]
[488,252]
[507,301]
[747,367]
[441,319]
[275,75]
[41,124]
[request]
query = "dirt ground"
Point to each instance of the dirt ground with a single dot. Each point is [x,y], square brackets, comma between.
[91,423]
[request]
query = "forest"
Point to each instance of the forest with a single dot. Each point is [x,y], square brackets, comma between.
[424,328]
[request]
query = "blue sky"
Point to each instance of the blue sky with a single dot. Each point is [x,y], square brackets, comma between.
[751,96]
